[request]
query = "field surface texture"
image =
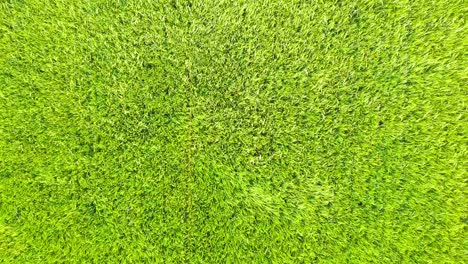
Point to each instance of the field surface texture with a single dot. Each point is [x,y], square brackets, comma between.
[233,131]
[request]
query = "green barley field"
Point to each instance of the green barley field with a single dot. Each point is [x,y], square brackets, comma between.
[233,131]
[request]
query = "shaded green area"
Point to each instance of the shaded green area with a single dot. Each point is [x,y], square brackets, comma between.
[233,131]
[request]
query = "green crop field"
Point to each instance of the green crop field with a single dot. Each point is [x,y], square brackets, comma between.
[233,131]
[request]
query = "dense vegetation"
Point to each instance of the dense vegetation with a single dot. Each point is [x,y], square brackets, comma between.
[233,131]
